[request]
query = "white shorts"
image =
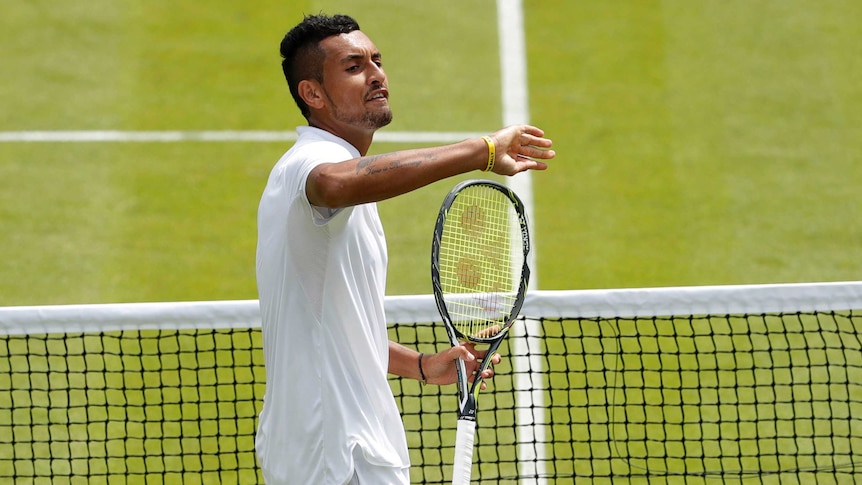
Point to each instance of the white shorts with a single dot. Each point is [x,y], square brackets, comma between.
[365,473]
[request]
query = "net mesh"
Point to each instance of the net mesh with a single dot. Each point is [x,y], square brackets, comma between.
[175,406]
[749,397]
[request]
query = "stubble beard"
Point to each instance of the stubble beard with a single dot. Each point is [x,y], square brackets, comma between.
[371,120]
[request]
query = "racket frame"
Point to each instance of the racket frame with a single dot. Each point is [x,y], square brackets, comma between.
[467,394]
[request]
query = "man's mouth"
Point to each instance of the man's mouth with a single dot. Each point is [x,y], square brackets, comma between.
[381,94]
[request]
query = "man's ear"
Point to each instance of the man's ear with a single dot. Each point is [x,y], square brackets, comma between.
[311,92]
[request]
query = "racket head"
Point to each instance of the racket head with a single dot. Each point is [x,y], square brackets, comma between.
[479,260]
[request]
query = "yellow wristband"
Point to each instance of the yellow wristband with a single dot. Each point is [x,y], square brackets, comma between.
[492,153]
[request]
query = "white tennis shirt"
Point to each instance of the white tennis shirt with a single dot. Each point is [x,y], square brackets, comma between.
[321,278]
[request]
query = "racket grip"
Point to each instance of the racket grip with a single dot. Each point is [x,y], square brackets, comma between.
[463,465]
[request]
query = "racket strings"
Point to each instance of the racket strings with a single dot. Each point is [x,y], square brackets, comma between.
[481,254]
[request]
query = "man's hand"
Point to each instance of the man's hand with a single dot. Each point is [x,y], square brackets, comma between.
[440,367]
[520,148]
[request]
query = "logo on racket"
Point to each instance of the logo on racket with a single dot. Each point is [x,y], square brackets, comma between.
[473,220]
[469,272]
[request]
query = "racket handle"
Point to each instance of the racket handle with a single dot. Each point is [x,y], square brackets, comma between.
[463,466]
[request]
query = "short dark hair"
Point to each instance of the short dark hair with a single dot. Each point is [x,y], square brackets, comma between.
[302,57]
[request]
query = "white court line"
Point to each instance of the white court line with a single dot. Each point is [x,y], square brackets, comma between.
[529,388]
[515,98]
[214,136]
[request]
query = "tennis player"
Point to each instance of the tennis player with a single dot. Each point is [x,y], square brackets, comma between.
[329,416]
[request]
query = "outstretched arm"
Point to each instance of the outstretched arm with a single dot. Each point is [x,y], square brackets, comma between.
[379,177]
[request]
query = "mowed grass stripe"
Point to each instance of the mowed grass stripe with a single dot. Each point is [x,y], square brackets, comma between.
[764,140]
[58,221]
[709,144]
[607,90]
[267,136]
[188,79]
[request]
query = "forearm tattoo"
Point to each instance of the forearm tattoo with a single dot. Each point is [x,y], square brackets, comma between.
[375,164]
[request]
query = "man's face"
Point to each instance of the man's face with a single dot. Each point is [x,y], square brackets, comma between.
[354,82]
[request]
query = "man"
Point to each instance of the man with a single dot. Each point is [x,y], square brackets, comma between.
[329,416]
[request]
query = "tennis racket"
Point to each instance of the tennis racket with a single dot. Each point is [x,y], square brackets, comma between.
[479,273]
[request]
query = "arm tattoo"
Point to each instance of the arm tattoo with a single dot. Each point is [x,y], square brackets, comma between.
[370,167]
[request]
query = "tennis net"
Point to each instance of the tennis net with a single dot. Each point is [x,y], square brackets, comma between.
[741,383]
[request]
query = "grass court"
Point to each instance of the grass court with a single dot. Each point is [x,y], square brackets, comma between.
[699,143]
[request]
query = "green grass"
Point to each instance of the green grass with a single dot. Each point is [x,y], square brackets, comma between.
[708,143]
[698,143]
[113,222]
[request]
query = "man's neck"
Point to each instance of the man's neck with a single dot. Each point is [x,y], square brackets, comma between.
[360,139]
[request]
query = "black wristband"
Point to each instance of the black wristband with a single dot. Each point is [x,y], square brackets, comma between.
[421,372]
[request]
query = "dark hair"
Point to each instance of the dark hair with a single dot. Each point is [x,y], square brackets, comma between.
[302,57]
